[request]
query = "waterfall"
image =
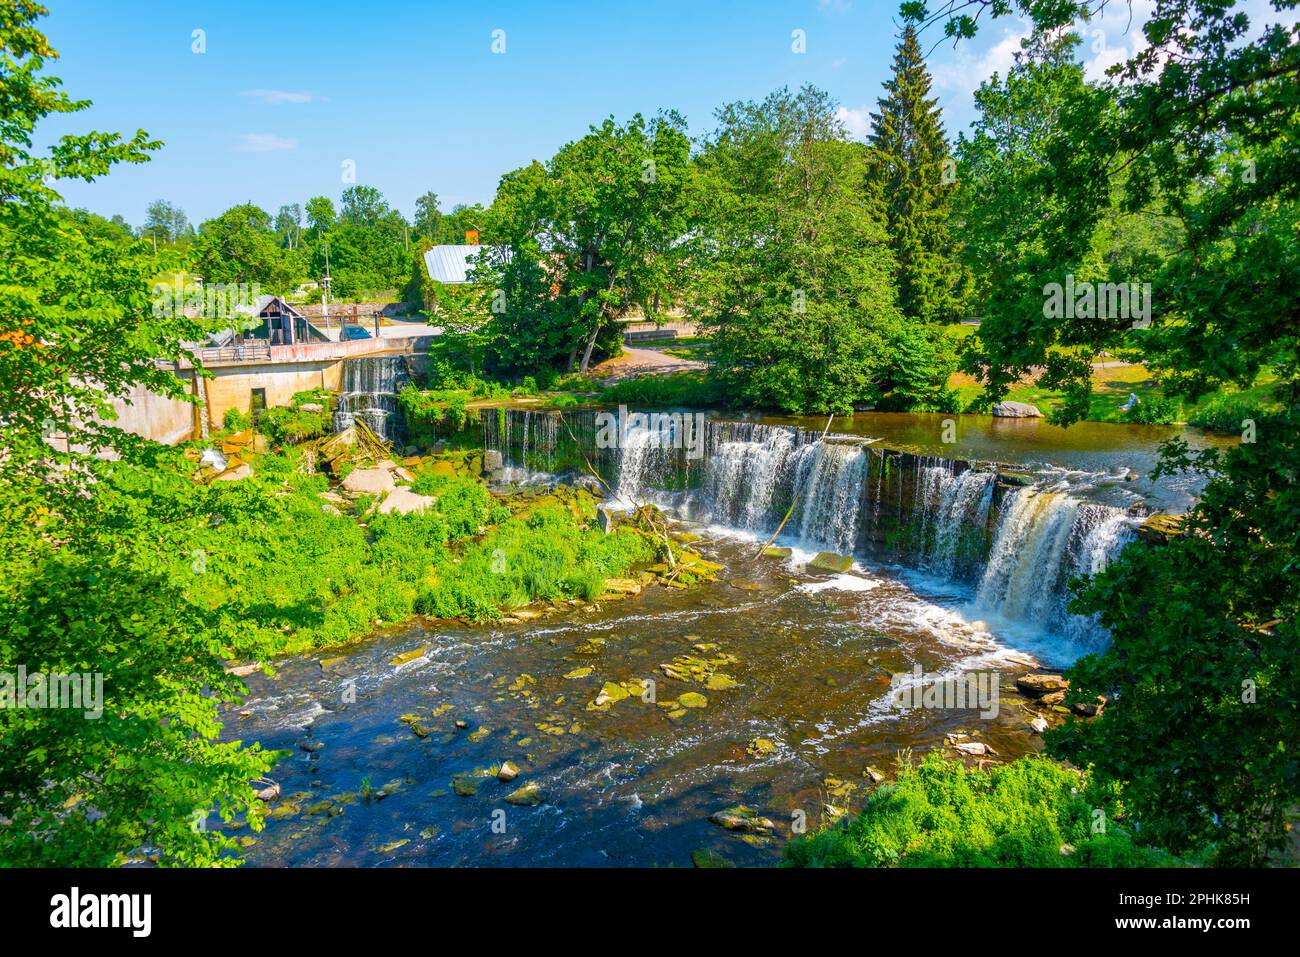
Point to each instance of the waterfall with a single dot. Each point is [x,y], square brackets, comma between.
[370,387]
[1013,548]
[830,484]
[635,464]
[1044,538]
[954,504]
[743,476]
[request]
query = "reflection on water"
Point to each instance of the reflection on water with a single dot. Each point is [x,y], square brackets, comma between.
[1088,451]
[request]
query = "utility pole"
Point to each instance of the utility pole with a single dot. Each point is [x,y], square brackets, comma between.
[325,286]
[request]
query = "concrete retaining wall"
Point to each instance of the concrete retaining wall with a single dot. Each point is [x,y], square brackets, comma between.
[290,369]
[142,412]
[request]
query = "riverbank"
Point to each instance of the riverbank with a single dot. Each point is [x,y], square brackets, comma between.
[317,552]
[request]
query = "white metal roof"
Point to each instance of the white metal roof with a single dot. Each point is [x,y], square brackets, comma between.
[451,264]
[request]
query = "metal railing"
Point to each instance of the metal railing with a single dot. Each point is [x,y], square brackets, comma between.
[251,351]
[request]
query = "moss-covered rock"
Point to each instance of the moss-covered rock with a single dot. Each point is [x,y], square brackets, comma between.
[1160,529]
[705,858]
[530,795]
[408,656]
[743,819]
[831,562]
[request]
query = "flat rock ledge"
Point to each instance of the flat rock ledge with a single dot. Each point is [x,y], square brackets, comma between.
[1016,410]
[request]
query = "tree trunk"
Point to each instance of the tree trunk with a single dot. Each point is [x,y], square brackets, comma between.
[591,344]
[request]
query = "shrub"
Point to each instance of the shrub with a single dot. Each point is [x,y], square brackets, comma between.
[685,388]
[285,425]
[545,555]
[942,814]
[236,421]
[1225,413]
[1154,410]
[433,414]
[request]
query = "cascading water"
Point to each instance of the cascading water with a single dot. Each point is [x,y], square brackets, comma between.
[830,489]
[954,506]
[527,441]
[1044,538]
[370,387]
[1014,547]
[745,474]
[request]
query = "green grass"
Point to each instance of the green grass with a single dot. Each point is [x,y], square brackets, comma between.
[1112,387]
[285,571]
[684,389]
[1031,813]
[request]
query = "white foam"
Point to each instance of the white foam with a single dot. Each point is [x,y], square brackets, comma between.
[844,582]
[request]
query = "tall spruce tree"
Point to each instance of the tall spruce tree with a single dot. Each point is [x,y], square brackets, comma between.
[913,173]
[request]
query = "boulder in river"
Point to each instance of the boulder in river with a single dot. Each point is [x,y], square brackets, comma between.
[1016,410]
[744,819]
[530,795]
[706,858]
[464,785]
[622,586]
[774,551]
[1159,529]
[507,772]
[408,656]
[1037,685]
[831,562]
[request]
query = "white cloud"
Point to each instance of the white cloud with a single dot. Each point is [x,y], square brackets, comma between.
[1113,37]
[963,74]
[277,97]
[265,143]
[857,121]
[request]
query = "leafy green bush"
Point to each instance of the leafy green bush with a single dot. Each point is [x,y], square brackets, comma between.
[286,425]
[941,814]
[545,555]
[1154,410]
[236,421]
[281,571]
[433,414]
[1225,413]
[685,388]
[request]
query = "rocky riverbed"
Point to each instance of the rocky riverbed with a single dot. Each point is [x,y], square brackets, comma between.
[670,727]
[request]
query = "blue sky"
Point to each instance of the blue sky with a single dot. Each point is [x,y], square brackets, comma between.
[413,94]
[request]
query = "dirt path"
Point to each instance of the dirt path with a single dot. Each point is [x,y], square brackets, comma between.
[634,363]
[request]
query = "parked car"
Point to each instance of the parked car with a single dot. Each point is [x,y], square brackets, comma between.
[354,332]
